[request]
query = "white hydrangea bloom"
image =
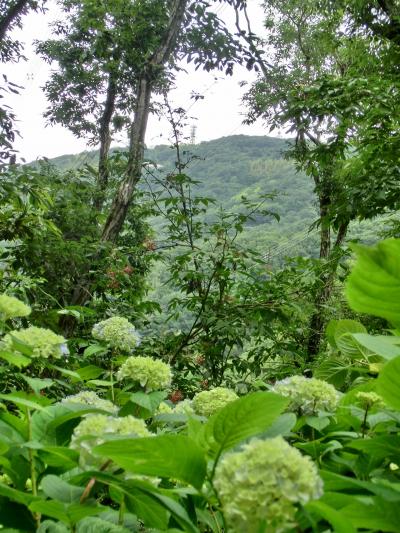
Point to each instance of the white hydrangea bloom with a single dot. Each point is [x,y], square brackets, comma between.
[11,307]
[207,402]
[150,373]
[118,332]
[43,342]
[93,430]
[90,398]
[308,395]
[263,483]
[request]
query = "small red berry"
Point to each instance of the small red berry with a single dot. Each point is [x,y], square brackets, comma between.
[204,384]
[128,270]
[176,396]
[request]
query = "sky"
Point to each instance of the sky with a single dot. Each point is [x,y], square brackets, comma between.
[219,114]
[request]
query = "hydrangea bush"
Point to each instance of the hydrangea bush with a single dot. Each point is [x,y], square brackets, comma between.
[91,399]
[150,373]
[11,307]
[42,342]
[206,403]
[308,395]
[263,483]
[118,332]
[94,429]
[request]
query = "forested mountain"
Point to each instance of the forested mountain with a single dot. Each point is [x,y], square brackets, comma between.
[231,167]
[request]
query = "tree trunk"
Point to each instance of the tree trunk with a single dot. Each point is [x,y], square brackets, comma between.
[105,142]
[317,321]
[119,208]
[10,16]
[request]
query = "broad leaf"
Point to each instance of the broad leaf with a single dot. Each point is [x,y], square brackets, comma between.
[248,416]
[388,383]
[373,286]
[332,516]
[174,456]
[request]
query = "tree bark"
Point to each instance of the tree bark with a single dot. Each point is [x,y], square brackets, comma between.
[105,142]
[119,208]
[10,17]
[317,321]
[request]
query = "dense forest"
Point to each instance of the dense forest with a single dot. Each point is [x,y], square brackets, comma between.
[203,336]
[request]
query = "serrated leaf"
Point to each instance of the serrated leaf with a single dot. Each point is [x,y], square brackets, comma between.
[173,456]
[332,516]
[373,286]
[248,416]
[388,383]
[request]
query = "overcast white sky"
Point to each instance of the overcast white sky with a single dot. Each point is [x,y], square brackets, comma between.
[219,114]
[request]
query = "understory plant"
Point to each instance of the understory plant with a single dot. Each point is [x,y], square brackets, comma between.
[120,455]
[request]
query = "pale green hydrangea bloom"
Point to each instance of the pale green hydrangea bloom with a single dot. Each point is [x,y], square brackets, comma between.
[43,342]
[118,332]
[308,395]
[164,409]
[150,373]
[11,307]
[181,408]
[185,407]
[207,402]
[370,399]
[93,430]
[91,399]
[263,482]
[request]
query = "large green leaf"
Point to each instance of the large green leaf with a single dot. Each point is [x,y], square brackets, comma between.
[373,286]
[16,359]
[388,383]
[332,516]
[387,346]
[67,513]
[58,489]
[379,447]
[175,456]
[248,416]
[336,329]
[23,401]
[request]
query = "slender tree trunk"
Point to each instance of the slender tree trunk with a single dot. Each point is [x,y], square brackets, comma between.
[119,208]
[123,198]
[105,142]
[317,321]
[10,16]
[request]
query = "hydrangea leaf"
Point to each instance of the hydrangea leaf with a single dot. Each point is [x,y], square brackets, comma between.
[56,488]
[386,346]
[243,418]
[388,383]
[16,358]
[340,523]
[336,328]
[175,456]
[373,286]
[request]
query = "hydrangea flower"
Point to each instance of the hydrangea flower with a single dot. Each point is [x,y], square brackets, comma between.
[43,342]
[184,408]
[164,409]
[90,398]
[118,332]
[207,402]
[150,373]
[263,482]
[93,430]
[308,395]
[370,399]
[11,307]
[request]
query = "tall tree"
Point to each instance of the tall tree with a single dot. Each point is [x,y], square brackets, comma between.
[302,47]
[121,64]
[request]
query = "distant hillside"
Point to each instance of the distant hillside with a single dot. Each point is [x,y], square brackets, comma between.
[250,166]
